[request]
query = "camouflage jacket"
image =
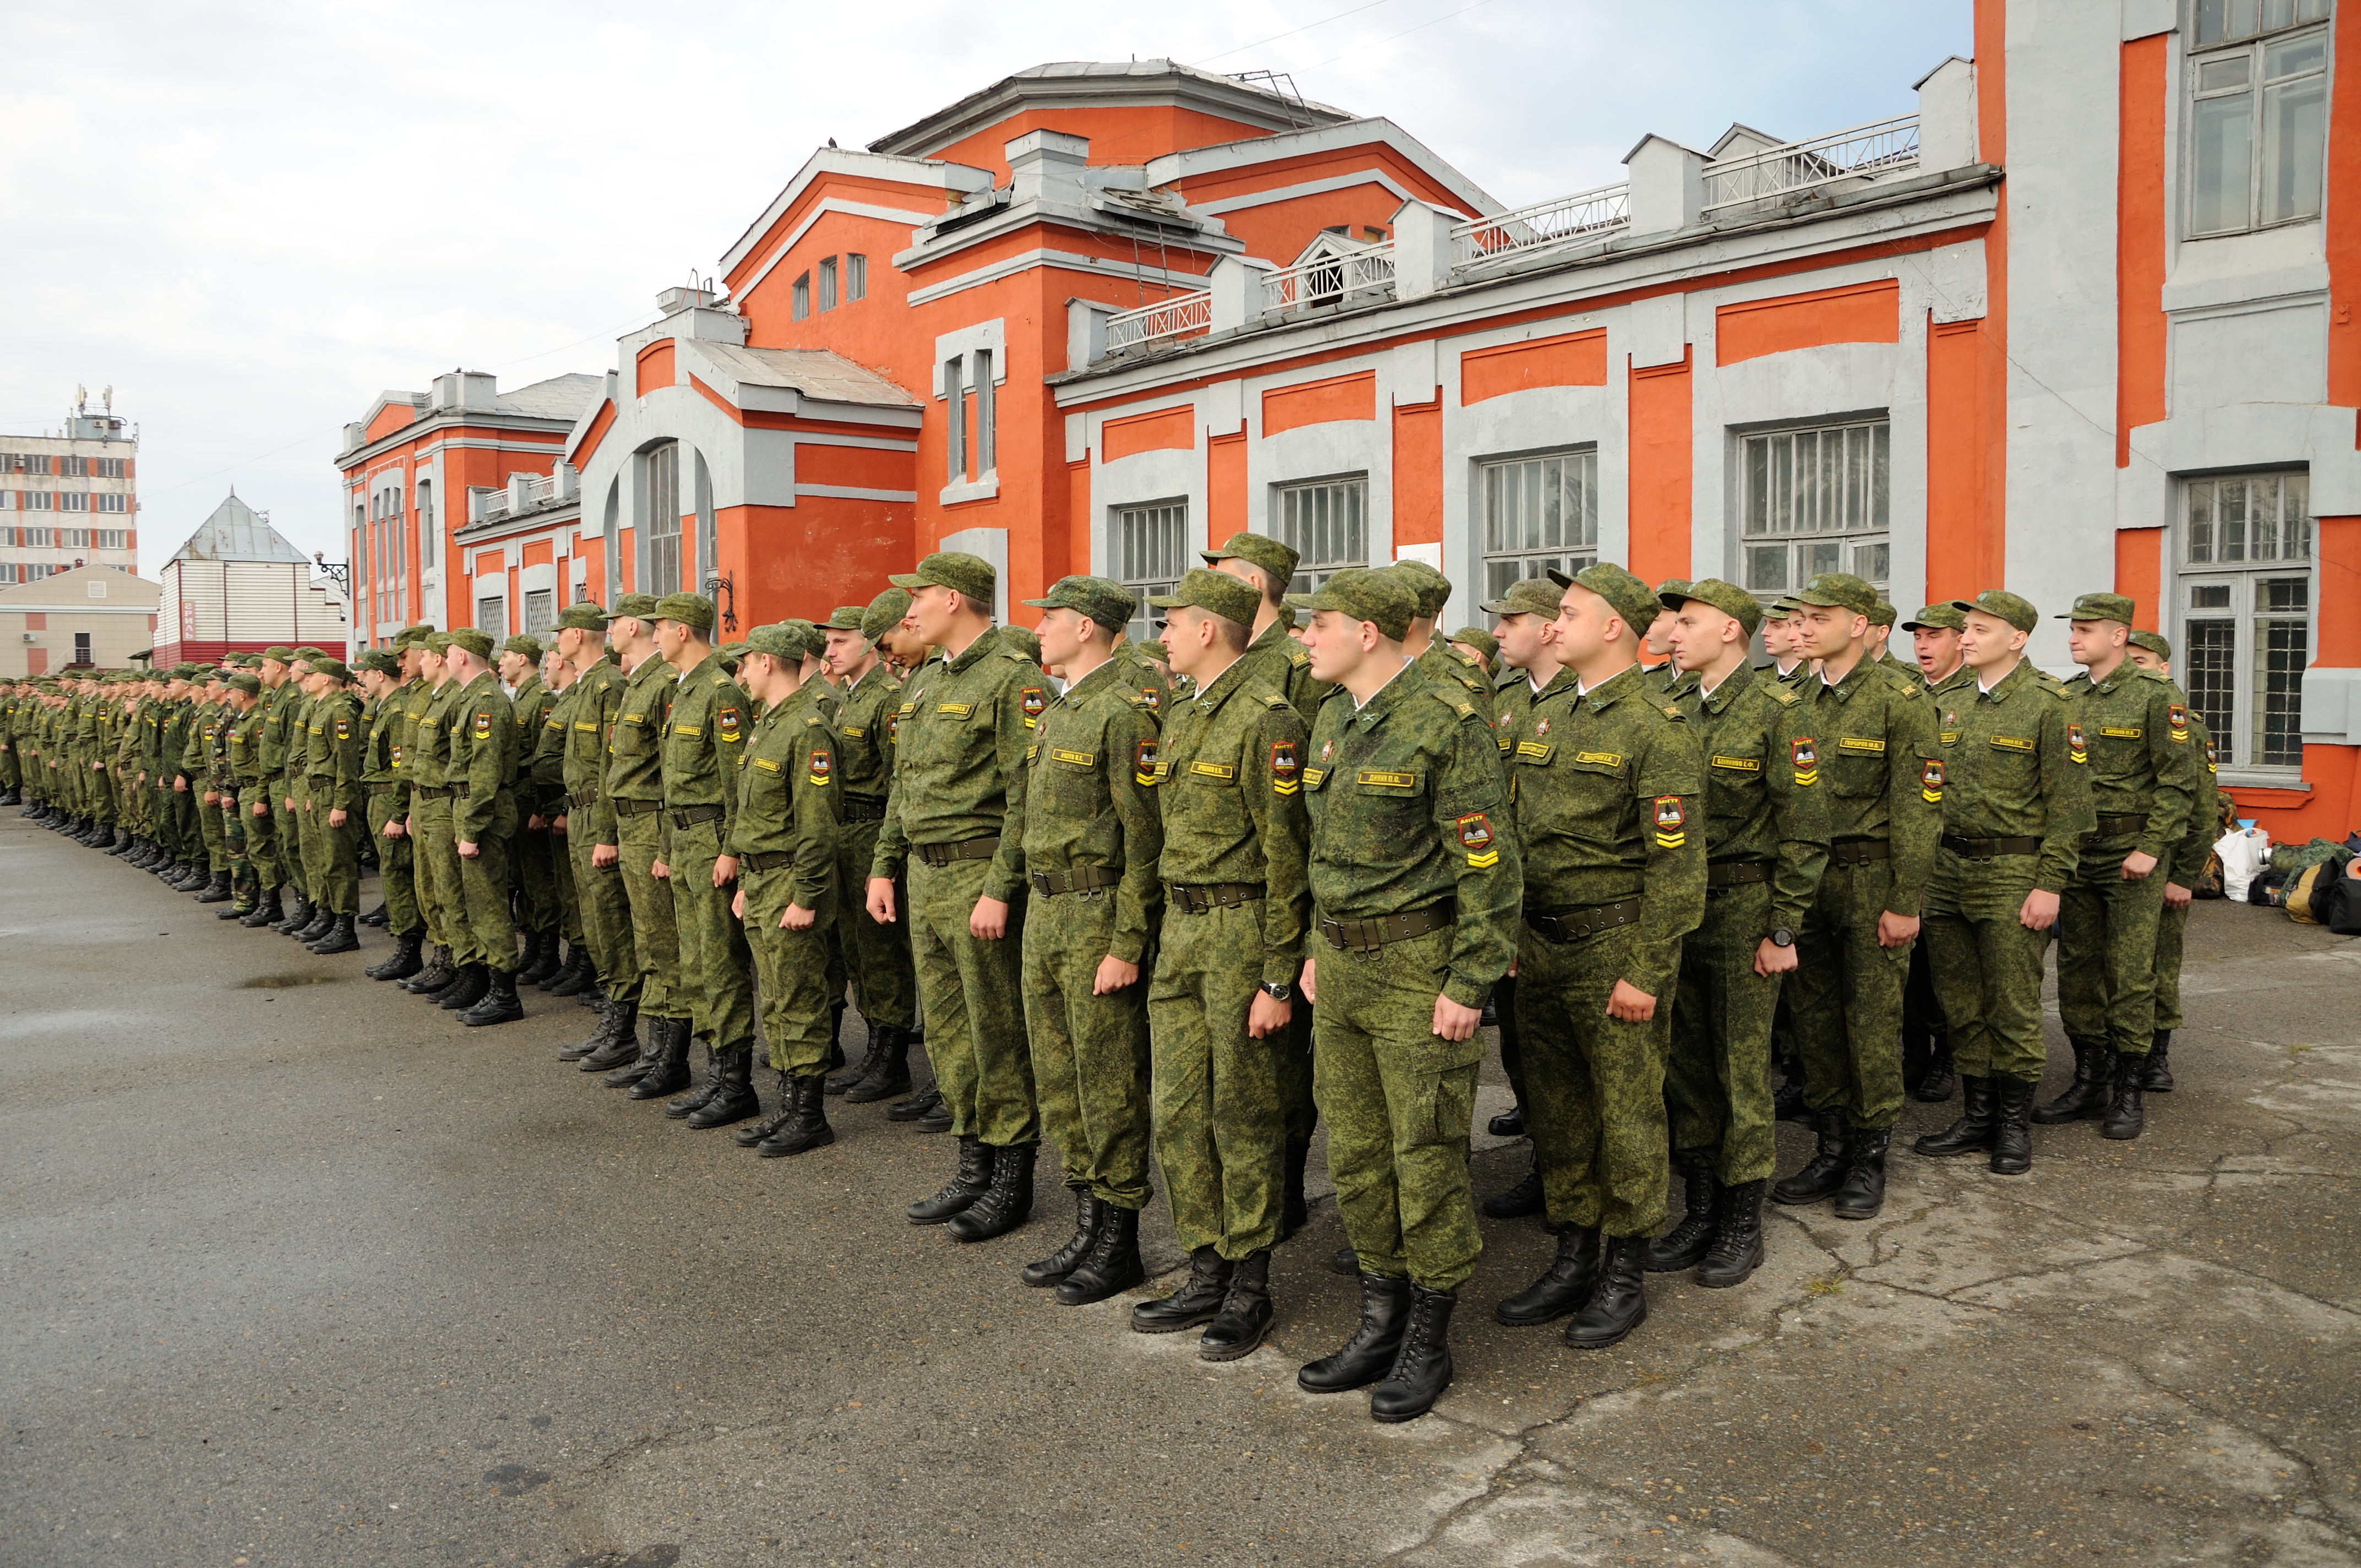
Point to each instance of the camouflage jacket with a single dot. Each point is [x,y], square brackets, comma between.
[961,734]
[1876,733]
[2008,769]
[1281,663]
[787,788]
[1763,795]
[2133,728]
[635,744]
[864,723]
[481,728]
[1091,799]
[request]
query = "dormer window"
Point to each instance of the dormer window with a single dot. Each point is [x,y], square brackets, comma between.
[828,283]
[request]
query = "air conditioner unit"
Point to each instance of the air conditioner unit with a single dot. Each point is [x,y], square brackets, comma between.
[30,636]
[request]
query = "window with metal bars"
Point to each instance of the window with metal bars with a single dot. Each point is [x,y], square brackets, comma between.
[1151,552]
[660,508]
[1539,514]
[540,611]
[1815,500]
[2246,612]
[1325,521]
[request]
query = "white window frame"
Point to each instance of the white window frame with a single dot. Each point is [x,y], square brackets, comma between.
[826,301]
[799,298]
[1512,497]
[1149,541]
[1326,522]
[1822,520]
[660,516]
[2214,588]
[2248,37]
[955,419]
[114,504]
[856,276]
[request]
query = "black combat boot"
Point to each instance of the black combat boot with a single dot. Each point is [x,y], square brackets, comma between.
[475,983]
[2012,1149]
[1371,1354]
[735,1100]
[888,1071]
[2086,1097]
[339,938]
[1973,1131]
[1112,1263]
[1246,1312]
[1526,1198]
[1199,1300]
[266,912]
[299,912]
[753,1133]
[2156,1070]
[192,876]
[1345,1261]
[1939,1079]
[1564,1286]
[2126,1115]
[1620,1304]
[915,1106]
[806,1127]
[1863,1191]
[404,961]
[377,916]
[616,1041]
[123,845]
[1824,1171]
[1422,1368]
[1044,1272]
[577,975]
[936,1117]
[442,970]
[667,1069]
[1737,1249]
[860,1069]
[1509,1124]
[967,1184]
[322,920]
[1008,1202]
[1293,1210]
[217,889]
[1787,1100]
[601,1032]
[703,1089]
[545,963]
[1683,1247]
[499,1004]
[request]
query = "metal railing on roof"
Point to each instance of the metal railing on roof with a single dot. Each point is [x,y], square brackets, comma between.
[1182,315]
[1353,276]
[538,489]
[1882,146]
[1579,219]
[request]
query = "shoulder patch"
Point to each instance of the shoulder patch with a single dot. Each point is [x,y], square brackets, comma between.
[1675,715]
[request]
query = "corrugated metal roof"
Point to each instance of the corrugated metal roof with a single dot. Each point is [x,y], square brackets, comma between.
[560,397]
[814,372]
[235,532]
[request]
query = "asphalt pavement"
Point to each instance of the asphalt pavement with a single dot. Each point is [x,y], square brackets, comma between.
[298,1271]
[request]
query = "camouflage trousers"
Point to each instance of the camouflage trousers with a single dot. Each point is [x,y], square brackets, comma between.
[2172,931]
[1717,1080]
[569,901]
[1987,966]
[715,970]
[437,876]
[791,972]
[12,772]
[605,910]
[534,864]
[396,866]
[486,879]
[656,937]
[972,991]
[1595,1087]
[1089,1053]
[1220,1117]
[877,957]
[209,829]
[2107,950]
[261,836]
[335,857]
[1399,1101]
[230,811]
[1846,995]
[294,843]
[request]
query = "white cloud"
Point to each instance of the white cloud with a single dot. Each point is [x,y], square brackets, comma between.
[251,218]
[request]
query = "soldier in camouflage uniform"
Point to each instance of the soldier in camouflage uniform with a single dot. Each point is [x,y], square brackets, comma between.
[1415,876]
[2133,727]
[1436,659]
[1092,839]
[241,695]
[1876,733]
[2015,795]
[634,792]
[426,765]
[1766,845]
[957,802]
[297,843]
[334,798]
[271,826]
[2152,651]
[588,827]
[1926,1071]
[482,773]
[381,677]
[533,853]
[1229,772]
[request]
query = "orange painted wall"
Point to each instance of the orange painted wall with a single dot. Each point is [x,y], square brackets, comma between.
[1078,508]
[1572,359]
[2345,216]
[600,424]
[390,418]
[2139,572]
[1225,485]
[1320,403]
[892,193]
[655,368]
[1123,134]
[627,556]
[855,468]
[806,559]
[1418,473]
[1989,532]
[537,552]
[1162,431]
[1858,312]
[1964,543]
[2139,242]
[1661,473]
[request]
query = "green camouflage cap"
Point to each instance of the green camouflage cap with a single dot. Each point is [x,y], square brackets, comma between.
[279,652]
[1109,604]
[1433,588]
[846,617]
[636,607]
[727,655]
[1526,596]
[1626,594]
[308,652]
[970,575]
[2102,607]
[1838,590]
[473,641]
[2156,642]
[1784,605]
[2006,606]
[380,660]
[780,641]
[815,641]
[1727,598]
[1476,636]
[1882,614]
[1024,640]
[1257,550]
[335,669]
[583,615]
[885,612]
[438,642]
[686,609]
[1383,598]
[520,643]
[1153,647]
[1218,593]
[247,661]
[1935,618]
[242,682]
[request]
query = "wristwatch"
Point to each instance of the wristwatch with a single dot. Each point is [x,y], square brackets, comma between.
[1782,938]
[1278,991]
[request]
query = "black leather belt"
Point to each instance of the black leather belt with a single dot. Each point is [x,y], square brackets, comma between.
[965,849]
[1205,897]
[1081,878]
[1736,873]
[431,792]
[778,861]
[690,815]
[851,808]
[1859,852]
[2114,823]
[1578,924]
[1989,848]
[1368,935]
[635,807]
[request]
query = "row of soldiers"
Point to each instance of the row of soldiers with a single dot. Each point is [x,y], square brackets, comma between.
[1205,892]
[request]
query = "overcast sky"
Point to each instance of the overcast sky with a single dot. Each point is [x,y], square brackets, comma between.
[249,219]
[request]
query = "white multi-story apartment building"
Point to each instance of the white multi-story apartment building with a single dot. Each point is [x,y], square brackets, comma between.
[69,499]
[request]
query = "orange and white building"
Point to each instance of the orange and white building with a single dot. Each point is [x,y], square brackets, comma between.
[2085,320]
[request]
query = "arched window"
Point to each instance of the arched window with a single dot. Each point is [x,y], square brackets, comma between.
[660,512]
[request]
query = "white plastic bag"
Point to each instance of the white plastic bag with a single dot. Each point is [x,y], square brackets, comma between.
[2246,854]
